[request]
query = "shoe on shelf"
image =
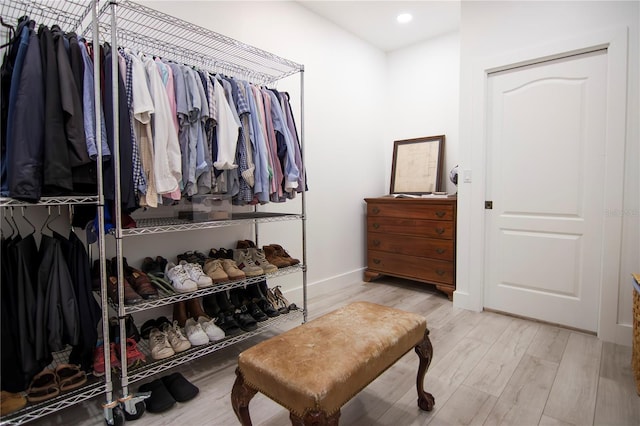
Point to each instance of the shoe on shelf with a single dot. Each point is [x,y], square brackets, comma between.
[213,268]
[193,257]
[241,301]
[283,300]
[176,339]
[228,324]
[245,263]
[11,402]
[231,269]
[139,281]
[194,308]
[134,356]
[195,333]
[159,345]
[245,244]
[180,279]
[273,258]
[210,305]
[283,254]
[180,314]
[195,272]
[254,292]
[98,360]
[214,333]
[275,302]
[259,258]
[130,295]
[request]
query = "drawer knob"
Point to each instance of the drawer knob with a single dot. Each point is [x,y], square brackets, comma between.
[440,272]
[376,225]
[440,231]
[375,210]
[440,213]
[376,261]
[376,243]
[440,250]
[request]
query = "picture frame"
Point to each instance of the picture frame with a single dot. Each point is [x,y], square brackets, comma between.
[417,165]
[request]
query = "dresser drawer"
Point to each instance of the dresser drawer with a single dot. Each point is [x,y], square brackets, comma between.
[412,246]
[423,228]
[405,208]
[413,267]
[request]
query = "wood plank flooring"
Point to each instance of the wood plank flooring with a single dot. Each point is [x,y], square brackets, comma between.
[488,369]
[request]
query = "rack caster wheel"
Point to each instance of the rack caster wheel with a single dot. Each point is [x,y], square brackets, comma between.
[137,412]
[133,406]
[116,418]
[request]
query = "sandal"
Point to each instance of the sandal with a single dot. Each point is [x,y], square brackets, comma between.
[70,377]
[280,296]
[44,385]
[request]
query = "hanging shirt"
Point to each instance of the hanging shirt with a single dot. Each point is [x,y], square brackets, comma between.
[227,130]
[257,136]
[142,108]
[167,161]
[89,109]
[291,172]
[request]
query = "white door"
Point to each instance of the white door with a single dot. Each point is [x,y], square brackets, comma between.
[545,173]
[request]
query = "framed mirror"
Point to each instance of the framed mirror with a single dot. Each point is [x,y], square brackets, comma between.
[417,165]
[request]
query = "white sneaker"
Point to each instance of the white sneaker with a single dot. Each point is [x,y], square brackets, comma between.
[175,337]
[246,264]
[180,278]
[214,332]
[160,347]
[196,273]
[260,260]
[195,333]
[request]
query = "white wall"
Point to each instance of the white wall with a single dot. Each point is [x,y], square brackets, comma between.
[344,84]
[493,29]
[423,84]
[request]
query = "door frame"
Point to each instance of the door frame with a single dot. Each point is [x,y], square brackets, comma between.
[470,272]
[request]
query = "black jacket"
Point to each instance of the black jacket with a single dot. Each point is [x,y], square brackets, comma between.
[25,151]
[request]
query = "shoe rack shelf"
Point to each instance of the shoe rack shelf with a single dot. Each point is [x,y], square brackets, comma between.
[160,225]
[166,298]
[195,352]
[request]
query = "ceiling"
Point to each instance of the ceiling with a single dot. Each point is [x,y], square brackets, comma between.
[375,21]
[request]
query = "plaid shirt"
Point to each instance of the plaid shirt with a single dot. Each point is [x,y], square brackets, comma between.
[139,181]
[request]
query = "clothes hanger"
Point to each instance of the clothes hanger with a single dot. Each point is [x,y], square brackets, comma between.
[33,228]
[49,220]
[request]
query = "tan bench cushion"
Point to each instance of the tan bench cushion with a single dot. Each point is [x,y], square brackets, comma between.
[323,363]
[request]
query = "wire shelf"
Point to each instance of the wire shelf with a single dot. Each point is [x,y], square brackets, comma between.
[166,298]
[32,411]
[144,29]
[70,15]
[154,367]
[172,224]
[49,201]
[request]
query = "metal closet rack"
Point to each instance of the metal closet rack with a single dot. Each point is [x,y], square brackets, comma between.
[70,15]
[140,28]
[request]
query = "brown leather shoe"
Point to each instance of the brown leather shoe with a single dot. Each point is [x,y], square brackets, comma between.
[272,256]
[180,312]
[194,309]
[243,244]
[283,254]
[139,281]
[130,295]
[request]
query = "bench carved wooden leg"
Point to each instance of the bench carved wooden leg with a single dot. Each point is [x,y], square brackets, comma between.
[315,418]
[241,395]
[425,353]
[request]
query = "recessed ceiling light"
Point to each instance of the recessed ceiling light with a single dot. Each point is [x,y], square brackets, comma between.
[403,18]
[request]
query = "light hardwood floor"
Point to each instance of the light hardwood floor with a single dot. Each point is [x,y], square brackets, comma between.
[487,369]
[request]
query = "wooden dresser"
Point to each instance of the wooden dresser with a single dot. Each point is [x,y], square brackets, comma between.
[413,238]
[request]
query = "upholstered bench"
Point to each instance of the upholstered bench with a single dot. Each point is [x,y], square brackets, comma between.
[315,368]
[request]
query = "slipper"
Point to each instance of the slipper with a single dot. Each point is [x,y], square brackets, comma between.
[180,388]
[44,385]
[160,399]
[70,377]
